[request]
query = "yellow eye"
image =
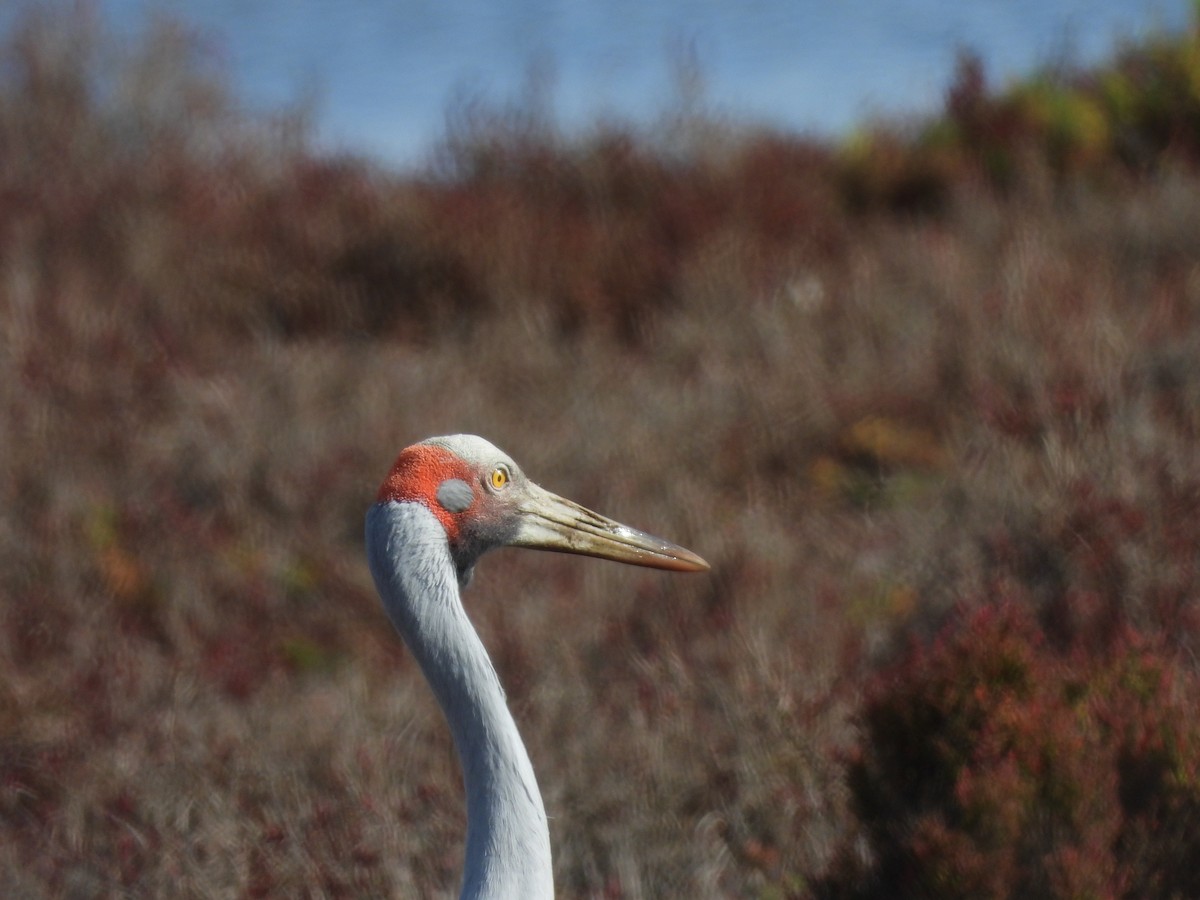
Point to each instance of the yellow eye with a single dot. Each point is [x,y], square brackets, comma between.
[499,477]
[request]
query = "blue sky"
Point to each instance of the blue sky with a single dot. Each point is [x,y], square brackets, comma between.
[382,74]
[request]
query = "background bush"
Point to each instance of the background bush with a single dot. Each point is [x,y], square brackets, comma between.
[993,765]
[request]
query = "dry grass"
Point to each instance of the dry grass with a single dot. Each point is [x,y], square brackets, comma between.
[212,344]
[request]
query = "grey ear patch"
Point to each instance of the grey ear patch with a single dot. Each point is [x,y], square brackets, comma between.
[455,495]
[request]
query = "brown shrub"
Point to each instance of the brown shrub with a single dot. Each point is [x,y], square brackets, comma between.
[993,766]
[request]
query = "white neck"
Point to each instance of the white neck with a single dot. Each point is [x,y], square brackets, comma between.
[508,840]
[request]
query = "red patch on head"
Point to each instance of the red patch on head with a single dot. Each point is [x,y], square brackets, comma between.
[417,474]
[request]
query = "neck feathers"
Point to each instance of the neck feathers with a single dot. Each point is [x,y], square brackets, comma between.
[508,841]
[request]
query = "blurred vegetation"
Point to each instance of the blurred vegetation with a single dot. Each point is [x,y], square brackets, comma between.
[993,766]
[928,401]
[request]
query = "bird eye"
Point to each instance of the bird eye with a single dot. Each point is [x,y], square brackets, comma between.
[499,478]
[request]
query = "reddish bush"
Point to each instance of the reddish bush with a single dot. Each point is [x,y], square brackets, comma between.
[993,766]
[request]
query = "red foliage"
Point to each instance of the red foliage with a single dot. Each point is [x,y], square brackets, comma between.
[992,765]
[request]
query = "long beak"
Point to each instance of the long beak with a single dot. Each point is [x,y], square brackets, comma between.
[550,522]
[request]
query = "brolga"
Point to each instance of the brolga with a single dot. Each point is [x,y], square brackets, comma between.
[447,501]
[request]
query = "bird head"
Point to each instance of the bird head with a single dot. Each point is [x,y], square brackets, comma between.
[483,500]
